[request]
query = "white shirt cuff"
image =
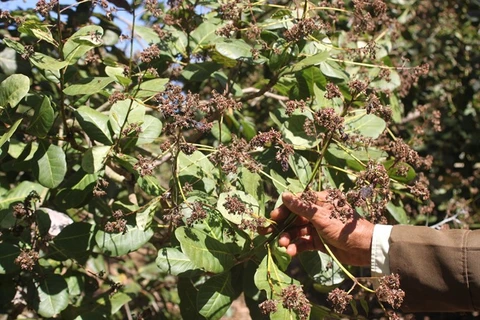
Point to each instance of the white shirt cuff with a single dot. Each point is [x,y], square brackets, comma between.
[380,264]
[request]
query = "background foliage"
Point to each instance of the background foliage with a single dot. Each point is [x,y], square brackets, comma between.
[138,157]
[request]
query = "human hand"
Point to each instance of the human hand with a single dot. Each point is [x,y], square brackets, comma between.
[350,242]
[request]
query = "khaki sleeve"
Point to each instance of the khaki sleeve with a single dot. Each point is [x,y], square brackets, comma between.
[439,270]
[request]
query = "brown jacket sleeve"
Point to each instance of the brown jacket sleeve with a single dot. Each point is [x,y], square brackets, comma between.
[439,270]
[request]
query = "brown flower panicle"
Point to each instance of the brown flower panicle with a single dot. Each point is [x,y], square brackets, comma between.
[268,306]
[339,299]
[293,298]
[302,29]
[198,213]
[341,208]
[389,290]
[27,259]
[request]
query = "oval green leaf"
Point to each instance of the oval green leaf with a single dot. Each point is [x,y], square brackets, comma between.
[215,296]
[117,244]
[13,89]
[205,251]
[51,165]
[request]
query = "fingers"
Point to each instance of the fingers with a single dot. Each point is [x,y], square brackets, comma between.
[302,208]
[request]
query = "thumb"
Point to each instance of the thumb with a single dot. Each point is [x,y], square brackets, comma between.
[298,206]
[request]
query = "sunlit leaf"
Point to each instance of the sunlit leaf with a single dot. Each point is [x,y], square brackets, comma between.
[215,296]
[145,214]
[173,261]
[204,251]
[43,119]
[85,39]
[7,135]
[94,158]
[124,113]
[88,86]
[13,89]
[367,125]
[95,124]
[37,30]
[51,165]
[151,130]
[52,295]
[117,244]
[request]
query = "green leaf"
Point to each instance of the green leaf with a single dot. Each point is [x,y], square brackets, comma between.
[88,86]
[8,254]
[322,269]
[198,72]
[13,89]
[173,261]
[7,135]
[271,279]
[307,79]
[77,190]
[333,70]
[393,170]
[151,130]
[398,212]
[38,30]
[85,39]
[52,295]
[215,296]
[147,34]
[204,251]
[197,169]
[19,193]
[93,159]
[125,112]
[51,165]
[252,184]
[74,241]
[188,299]
[145,214]
[95,124]
[8,61]
[362,154]
[367,125]
[235,49]
[150,88]
[249,201]
[42,120]
[117,74]
[292,130]
[204,35]
[313,60]
[301,168]
[117,244]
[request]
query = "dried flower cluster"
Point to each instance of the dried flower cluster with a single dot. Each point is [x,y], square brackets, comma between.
[293,298]
[302,29]
[99,189]
[198,213]
[404,153]
[341,209]
[372,191]
[119,225]
[43,7]
[292,105]
[27,259]
[268,306]
[389,290]
[144,166]
[339,299]
[250,221]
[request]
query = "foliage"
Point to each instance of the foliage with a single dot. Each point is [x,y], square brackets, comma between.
[138,165]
